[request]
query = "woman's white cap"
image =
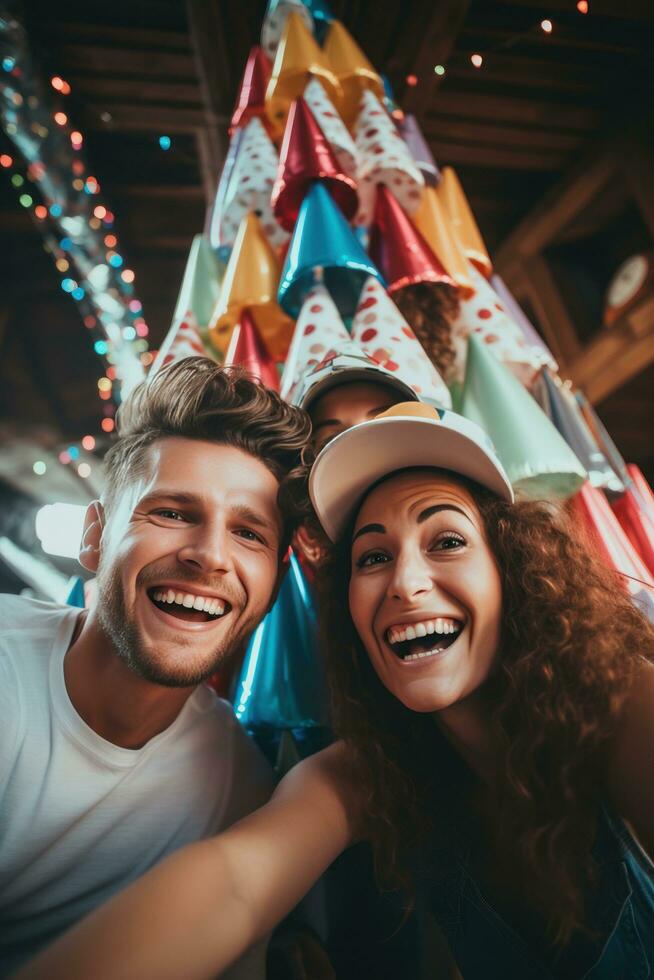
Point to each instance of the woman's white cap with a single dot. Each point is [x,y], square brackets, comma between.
[404,436]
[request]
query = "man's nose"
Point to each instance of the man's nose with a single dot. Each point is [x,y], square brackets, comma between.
[208,548]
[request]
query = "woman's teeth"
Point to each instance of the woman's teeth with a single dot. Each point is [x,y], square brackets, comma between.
[211,606]
[442,626]
[415,641]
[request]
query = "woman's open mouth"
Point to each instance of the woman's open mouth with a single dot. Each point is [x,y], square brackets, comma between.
[188,606]
[415,641]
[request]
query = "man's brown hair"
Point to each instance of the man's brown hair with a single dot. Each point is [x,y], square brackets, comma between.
[195,398]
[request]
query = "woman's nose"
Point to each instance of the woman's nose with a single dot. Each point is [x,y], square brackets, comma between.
[410,577]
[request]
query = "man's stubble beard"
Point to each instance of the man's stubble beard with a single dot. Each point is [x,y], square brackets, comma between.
[127,642]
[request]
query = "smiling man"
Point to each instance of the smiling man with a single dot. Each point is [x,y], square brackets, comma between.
[113,753]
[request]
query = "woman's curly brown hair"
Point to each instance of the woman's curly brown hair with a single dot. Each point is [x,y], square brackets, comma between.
[570,643]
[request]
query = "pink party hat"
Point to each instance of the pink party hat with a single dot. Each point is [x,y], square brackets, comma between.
[384,158]
[382,332]
[318,330]
[182,340]
[250,185]
[483,315]
[335,130]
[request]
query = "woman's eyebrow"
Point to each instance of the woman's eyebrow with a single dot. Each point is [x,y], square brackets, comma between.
[367,529]
[436,508]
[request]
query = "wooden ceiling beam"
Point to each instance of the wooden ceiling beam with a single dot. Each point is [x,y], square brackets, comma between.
[510,158]
[490,133]
[145,119]
[529,72]
[145,90]
[76,32]
[514,109]
[100,59]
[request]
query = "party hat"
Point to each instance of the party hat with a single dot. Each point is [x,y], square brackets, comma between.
[382,332]
[318,329]
[215,230]
[247,349]
[182,340]
[274,21]
[251,100]
[200,286]
[335,130]
[643,489]
[604,440]
[636,524]
[353,70]
[383,158]
[517,314]
[251,281]
[253,174]
[399,249]
[281,684]
[537,459]
[484,316]
[323,240]
[297,60]
[76,595]
[591,509]
[463,221]
[419,149]
[431,221]
[565,413]
[305,157]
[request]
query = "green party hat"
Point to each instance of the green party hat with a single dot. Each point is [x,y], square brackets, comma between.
[201,284]
[538,461]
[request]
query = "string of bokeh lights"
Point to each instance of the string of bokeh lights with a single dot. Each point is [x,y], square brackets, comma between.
[546,25]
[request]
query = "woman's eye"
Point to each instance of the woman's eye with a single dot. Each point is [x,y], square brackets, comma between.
[448,542]
[371,558]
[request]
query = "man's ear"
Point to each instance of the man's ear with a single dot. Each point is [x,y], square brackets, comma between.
[309,545]
[94,521]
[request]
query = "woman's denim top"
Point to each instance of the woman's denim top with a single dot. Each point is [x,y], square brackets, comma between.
[620,914]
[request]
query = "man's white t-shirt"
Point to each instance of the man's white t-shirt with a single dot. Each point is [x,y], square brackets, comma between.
[80,817]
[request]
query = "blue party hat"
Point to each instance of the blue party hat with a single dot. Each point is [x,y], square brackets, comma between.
[281,683]
[324,246]
[75,595]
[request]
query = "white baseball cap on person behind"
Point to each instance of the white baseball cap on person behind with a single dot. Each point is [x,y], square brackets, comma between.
[346,365]
[405,436]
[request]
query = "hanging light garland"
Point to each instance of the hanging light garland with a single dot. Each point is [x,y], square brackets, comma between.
[63,199]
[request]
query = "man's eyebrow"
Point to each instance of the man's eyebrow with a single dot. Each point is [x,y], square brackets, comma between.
[430,511]
[178,496]
[252,516]
[367,529]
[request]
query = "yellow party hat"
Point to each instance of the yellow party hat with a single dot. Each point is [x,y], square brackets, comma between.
[463,221]
[297,60]
[352,68]
[434,225]
[251,281]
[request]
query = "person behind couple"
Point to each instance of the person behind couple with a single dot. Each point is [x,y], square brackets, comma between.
[494,688]
[113,753]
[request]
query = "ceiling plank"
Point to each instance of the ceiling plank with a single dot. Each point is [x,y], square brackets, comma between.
[514,109]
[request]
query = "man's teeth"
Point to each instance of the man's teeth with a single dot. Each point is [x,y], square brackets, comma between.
[215,607]
[399,634]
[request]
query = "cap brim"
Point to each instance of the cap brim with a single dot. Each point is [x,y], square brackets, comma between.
[356,459]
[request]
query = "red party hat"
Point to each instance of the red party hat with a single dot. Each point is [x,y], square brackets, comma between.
[306,156]
[398,249]
[252,95]
[247,349]
[643,489]
[636,524]
[592,508]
